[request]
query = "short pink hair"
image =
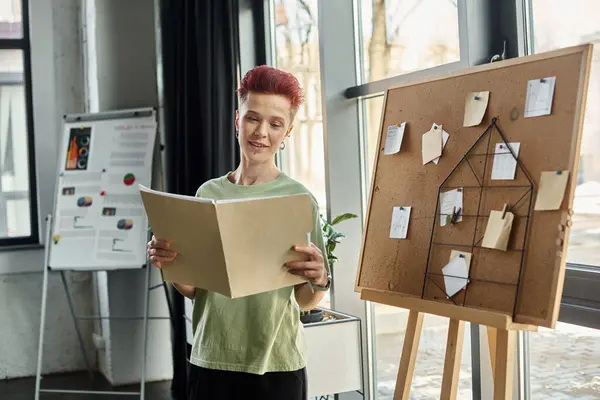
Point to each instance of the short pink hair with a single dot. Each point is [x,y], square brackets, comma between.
[269,80]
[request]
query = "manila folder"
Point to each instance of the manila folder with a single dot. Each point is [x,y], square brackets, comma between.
[232,247]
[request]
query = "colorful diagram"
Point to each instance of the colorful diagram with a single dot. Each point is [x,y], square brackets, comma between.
[125,224]
[78,150]
[84,201]
[109,211]
[68,191]
[129,179]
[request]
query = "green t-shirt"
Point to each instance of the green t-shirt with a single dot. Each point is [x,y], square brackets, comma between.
[257,333]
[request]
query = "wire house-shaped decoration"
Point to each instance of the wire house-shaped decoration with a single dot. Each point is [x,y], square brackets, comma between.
[494,275]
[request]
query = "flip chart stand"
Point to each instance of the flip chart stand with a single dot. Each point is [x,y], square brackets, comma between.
[502,345]
[38,377]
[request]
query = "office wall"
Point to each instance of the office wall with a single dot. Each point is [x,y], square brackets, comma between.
[57,88]
[121,74]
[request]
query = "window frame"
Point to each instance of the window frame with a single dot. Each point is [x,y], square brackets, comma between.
[24,44]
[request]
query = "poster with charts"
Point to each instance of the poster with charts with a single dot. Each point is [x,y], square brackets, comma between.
[99,221]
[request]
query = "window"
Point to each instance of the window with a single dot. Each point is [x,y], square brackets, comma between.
[564,363]
[559,24]
[296,50]
[18,209]
[395,41]
[401,36]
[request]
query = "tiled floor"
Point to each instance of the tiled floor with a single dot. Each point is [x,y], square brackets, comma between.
[24,389]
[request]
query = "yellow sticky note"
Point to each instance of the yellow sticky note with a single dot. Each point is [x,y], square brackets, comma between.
[431,144]
[475,106]
[497,231]
[551,192]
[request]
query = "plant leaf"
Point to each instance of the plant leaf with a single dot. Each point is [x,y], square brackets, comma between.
[343,217]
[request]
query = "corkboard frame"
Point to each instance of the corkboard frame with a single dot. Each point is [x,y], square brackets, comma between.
[391,271]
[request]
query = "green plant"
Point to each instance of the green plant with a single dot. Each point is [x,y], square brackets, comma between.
[331,238]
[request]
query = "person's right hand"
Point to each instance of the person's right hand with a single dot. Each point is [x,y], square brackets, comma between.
[159,252]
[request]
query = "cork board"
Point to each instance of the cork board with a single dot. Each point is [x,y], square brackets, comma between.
[525,281]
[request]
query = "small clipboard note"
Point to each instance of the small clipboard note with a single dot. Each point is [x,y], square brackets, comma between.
[497,231]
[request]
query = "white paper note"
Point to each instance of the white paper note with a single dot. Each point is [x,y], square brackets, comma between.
[505,164]
[445,137]
[539,96]
[393,140]
[456,275]
[450,201]
[400,220]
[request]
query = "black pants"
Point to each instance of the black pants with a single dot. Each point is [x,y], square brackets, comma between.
[212,384]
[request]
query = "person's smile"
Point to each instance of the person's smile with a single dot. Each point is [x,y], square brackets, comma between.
[258,145]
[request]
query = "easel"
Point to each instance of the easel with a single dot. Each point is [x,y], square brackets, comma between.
[147,288]
[501,331]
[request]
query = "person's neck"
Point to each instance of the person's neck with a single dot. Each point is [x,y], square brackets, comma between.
[248,173]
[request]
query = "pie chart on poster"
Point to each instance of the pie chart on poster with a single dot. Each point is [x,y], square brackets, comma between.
[125,224]
[129,179]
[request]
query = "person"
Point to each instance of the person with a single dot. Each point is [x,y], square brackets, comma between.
[253,347]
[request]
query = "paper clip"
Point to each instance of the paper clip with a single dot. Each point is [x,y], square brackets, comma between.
[504,209]
[455,215]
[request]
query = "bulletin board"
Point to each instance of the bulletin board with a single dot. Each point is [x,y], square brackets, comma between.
[524,281]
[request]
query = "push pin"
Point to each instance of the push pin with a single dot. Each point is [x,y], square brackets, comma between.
[543,80]
[558,172]
[477,98]
[461,255]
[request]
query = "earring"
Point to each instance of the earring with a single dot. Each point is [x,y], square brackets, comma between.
[282,146]
[237,134]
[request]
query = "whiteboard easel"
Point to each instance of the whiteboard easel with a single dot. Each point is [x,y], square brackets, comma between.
[98,221]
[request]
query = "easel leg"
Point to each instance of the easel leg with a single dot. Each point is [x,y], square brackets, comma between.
[505,364]
[456,335]
[145,340]
[409,355]
[491,333]
[38,375]
[79,337]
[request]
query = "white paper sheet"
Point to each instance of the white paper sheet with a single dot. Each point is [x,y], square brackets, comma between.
[505,164]
[456,274]
[393,140]
[445,136]
[400,221]
[449,202]
[539,96]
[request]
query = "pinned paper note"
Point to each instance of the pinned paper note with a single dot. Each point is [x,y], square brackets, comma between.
[505,163]
[445,137]
[393,139]
[475,106]
[497,231]
[432,144]
[400,220]
[551,191]
[451,205]
[456,272]
[539,96]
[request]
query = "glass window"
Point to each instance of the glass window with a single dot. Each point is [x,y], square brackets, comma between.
[556,24]
[390,323]
[10,19]
[564,363]
[15,216]
[297,51]
[401,36]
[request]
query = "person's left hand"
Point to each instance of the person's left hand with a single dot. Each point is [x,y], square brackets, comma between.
[313,268]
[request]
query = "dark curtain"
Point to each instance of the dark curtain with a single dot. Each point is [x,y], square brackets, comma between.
[200,60]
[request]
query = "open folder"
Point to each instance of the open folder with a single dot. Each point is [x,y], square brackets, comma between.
[232,247]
